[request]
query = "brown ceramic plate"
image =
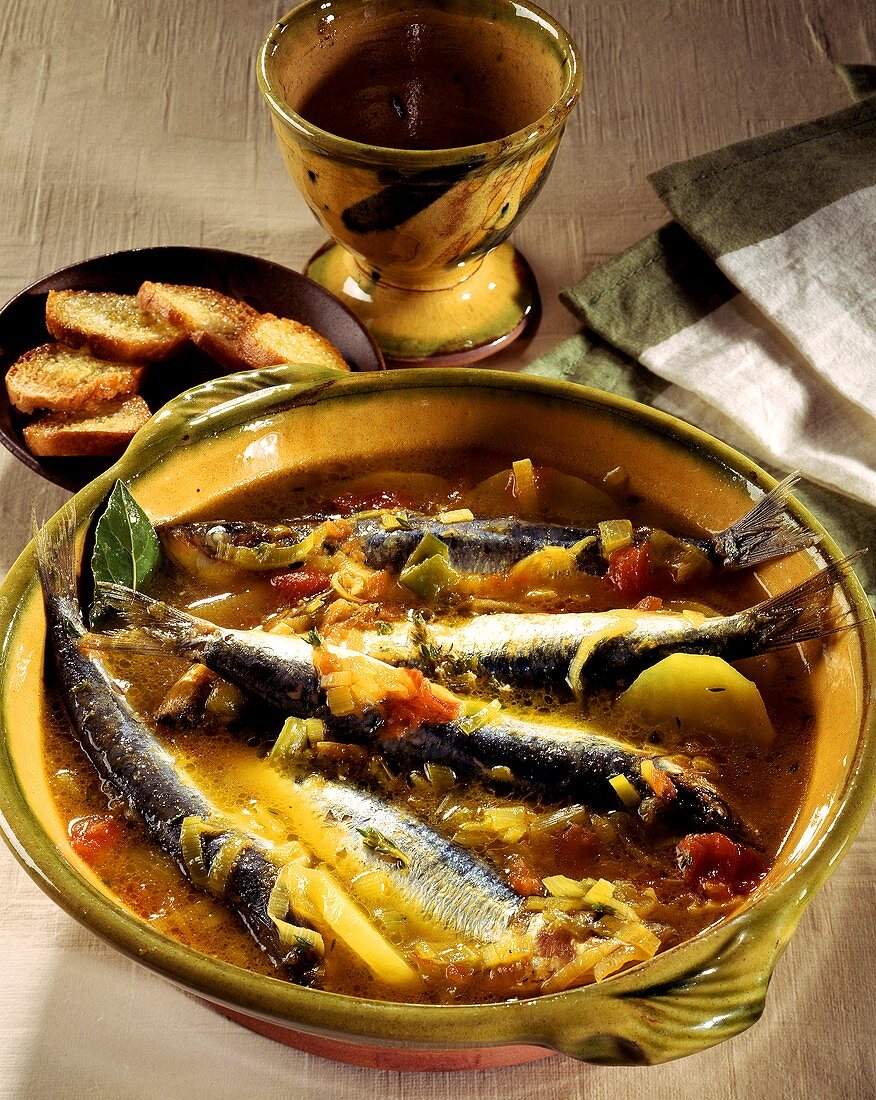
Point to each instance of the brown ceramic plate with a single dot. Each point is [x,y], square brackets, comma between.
[268,287]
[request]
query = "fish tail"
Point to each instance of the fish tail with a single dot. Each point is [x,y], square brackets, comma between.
[56,564]
[766,531]
[151,626]
[805,611]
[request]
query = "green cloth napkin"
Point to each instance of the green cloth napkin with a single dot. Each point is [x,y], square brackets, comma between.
[754,312]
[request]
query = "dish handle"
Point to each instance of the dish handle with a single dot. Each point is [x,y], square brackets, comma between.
[720,994]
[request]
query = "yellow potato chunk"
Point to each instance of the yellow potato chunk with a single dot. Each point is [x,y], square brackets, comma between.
[697,694]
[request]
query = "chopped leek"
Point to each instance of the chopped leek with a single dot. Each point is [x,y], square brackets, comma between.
[509,950]
[477,719]
[428,570]
[625,791]
[193,828]
[622,954]
[225,701]
[442,778]
[295,736]
[615,534]
[590,954]
[559,886]
[682,559]
[428,546]
[293,935]
[395,521]
[224,861]
[271,555]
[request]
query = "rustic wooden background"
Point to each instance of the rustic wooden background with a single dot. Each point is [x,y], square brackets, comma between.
[127,124]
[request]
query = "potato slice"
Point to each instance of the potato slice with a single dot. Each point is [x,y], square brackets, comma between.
[698,694]
[562,497]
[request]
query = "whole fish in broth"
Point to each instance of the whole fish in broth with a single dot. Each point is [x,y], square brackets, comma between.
[129,760]
[554,761]
[609,649]
[475,545]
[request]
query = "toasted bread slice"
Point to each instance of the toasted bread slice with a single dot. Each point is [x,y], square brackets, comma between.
[270,340]
[212,320]
[64,379]
[102,431]
[113,326]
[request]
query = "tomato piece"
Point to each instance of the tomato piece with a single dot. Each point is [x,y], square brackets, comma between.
[524,878]
[660,783]
[93,834]
[301,584]
[718,866]
[459,972]
[649,603]
[426,704]
[575,848]
[628,570]
[349,503]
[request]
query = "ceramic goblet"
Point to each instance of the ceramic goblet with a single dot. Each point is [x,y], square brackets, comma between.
[419,131]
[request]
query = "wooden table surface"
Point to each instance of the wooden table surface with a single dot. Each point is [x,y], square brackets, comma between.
[127,124]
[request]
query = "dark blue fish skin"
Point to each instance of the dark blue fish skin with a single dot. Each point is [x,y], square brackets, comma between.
[566,766]
[130,761]
[292,687]
[537,650]
[478,545]
[764,532]
[553,761]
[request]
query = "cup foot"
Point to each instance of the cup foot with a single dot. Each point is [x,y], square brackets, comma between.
[448,327]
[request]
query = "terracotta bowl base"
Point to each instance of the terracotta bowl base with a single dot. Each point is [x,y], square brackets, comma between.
[395,1058]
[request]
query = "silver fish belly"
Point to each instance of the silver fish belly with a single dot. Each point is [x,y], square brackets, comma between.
[453,888]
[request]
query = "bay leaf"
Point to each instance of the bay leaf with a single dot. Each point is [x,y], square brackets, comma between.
[126,548]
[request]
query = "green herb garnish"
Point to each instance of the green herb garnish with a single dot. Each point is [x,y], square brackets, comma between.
[381,844]
[126,547]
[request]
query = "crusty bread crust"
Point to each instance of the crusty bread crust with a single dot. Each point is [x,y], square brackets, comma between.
[212,320]
[270,340]
[64,379]
[104,431]
[111,326]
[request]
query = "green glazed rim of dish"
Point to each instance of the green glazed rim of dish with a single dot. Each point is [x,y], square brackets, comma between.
[350,150]
[686,999]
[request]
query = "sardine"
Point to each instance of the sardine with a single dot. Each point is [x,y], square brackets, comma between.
[488,546]
[577,765]
[492,545]
[553,761]
[607,649]
[130,761]
[427,876]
